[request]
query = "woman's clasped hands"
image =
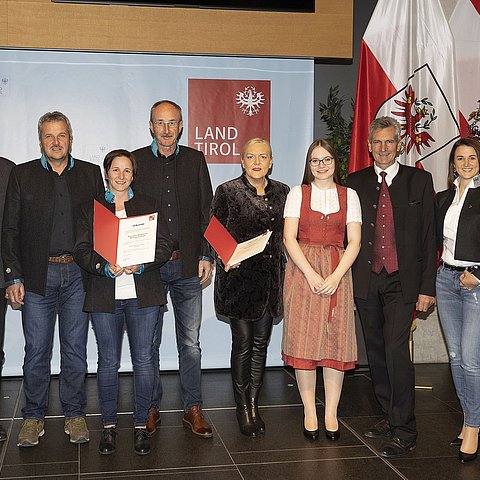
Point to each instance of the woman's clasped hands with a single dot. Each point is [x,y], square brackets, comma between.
[322,286]
[117,270]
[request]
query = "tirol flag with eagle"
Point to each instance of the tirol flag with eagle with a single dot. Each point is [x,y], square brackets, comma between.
[407,71]
[465,25]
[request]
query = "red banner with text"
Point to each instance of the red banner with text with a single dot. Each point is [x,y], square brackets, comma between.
[224,114]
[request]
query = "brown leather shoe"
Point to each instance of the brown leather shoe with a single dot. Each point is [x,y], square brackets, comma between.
[153,419]
[196,421]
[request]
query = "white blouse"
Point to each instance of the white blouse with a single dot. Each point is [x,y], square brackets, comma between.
[324,201]
[124,284]
[450,225]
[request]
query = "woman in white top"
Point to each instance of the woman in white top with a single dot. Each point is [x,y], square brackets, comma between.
[319,325]
[119,295]
[458,279]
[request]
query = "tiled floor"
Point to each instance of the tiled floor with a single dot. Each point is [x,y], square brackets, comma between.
[282,453]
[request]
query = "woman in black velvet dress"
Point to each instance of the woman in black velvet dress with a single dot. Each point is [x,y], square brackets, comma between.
[249,294]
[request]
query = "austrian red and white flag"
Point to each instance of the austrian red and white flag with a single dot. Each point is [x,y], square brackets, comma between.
[407,71]
[465,26]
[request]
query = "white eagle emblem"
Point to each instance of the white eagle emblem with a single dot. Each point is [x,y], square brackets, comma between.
[250,100]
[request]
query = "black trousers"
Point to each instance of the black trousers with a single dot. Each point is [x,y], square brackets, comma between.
[249,353]
[386,321]
[3,311]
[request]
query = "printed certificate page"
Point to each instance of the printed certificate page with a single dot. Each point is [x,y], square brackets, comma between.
[137,238]
[250,248]
[227,247]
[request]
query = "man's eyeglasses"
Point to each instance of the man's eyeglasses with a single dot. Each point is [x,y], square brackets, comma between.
[169,123]
[327,161]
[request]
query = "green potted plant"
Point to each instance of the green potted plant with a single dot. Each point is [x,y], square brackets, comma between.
[339,129]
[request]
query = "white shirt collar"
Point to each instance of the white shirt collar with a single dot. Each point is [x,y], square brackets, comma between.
[391,172]
[473,183]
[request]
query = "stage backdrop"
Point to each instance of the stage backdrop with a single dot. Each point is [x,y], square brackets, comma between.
[108,96]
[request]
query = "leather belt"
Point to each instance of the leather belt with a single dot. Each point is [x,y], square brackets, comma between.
[66,258]
[457,269]
[175,255]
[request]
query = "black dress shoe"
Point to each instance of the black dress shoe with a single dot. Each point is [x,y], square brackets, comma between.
[311,435]
[397,447]
[456,442]
[141,442]
[245,421]
[379,430]
[333,436]
[3,434]
[107,441]
[467,457]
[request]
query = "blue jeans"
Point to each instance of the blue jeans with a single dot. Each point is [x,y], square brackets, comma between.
[186,297]
[108,328]
[64,296]
[459,312]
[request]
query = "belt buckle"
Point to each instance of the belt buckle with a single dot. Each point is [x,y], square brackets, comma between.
[65,258]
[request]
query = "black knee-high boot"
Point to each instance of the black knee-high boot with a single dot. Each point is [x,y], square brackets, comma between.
[261,337]
[242,344]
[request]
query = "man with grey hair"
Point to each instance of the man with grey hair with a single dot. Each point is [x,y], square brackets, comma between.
[393,275]
[178,177]
[40,274]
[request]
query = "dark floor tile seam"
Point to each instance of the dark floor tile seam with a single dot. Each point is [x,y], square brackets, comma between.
[62,476]
[318,460]
[10,427]
[360,437]
[429,457]
[152,473]
[280,450]
[454,408]
[66,462]
[48,475]
[219,436]
[451,411]
[162,471]
[446,403]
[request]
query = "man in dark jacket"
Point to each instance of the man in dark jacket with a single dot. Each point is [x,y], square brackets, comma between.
[393,275]
[40,274]
[178,177]
[5,168]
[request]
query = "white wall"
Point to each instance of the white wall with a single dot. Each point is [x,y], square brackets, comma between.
[107,98]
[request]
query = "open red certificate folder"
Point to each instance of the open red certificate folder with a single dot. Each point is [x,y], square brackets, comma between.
[228,249]
[124,241]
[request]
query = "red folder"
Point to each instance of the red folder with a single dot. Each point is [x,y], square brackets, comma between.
[105,232]
[220,239]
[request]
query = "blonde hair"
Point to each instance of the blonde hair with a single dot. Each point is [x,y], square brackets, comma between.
[256,140]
